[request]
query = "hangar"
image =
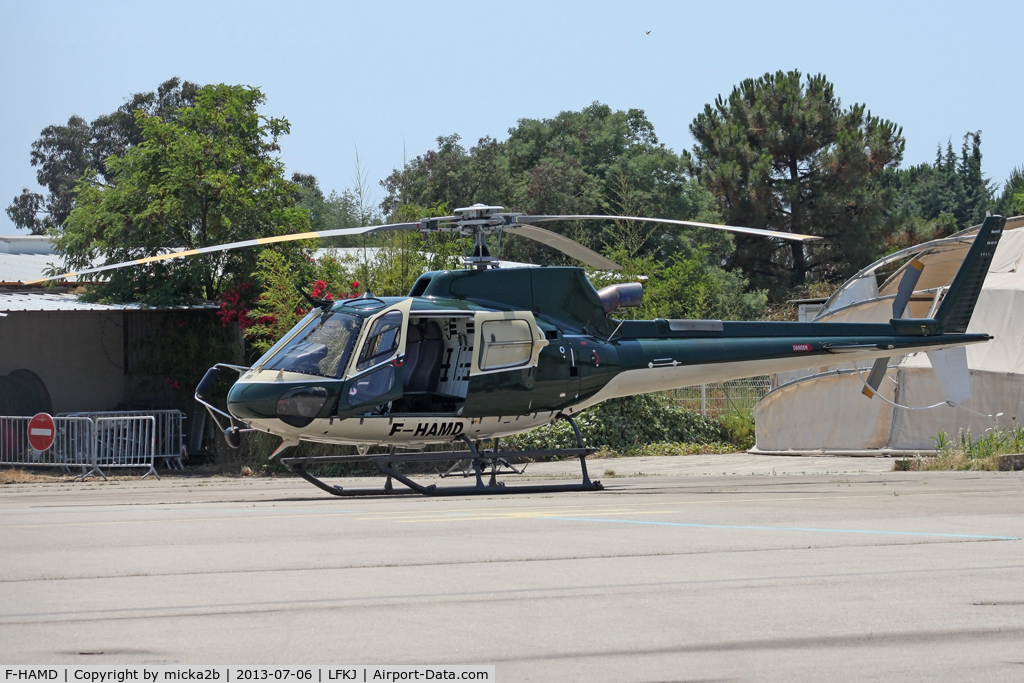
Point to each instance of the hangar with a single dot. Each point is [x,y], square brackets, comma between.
[88,357]
[822,410]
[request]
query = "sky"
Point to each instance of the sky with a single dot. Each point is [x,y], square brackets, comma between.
[385,79]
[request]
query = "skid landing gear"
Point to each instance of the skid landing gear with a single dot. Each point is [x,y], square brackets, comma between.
[480,463]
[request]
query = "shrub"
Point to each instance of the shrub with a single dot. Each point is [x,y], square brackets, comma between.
[738,428]
[626,424]
[967,453]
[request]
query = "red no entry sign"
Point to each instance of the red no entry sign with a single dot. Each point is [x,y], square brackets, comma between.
[41,432]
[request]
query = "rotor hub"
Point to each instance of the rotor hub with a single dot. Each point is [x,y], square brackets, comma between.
[479,221]
[480,213]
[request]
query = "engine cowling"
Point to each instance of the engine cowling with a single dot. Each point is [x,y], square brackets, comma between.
[622,295]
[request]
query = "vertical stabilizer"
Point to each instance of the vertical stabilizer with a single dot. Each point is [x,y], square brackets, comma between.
[958,305]
[950,366]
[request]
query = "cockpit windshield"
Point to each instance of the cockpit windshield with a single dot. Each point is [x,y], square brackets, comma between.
[322,348]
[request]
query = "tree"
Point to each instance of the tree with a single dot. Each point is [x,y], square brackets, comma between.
[65,153]
[596,160]
[690,286]
[782,153]
[280,304]
[348,209]
[1011,202]
[206,176]
[951,193]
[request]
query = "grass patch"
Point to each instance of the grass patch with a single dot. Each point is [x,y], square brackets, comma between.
[965,453]
[16,476]
[678,448]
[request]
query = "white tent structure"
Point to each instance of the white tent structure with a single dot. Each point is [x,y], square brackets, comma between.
[822,410]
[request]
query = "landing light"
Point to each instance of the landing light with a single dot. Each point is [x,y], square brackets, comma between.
[298,407]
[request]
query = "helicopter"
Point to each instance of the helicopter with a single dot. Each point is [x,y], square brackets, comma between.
[485,352]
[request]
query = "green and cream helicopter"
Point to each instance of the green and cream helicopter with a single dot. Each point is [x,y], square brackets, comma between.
[478,354]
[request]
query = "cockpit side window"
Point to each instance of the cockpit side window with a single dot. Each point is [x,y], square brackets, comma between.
[322,348]
[382,341]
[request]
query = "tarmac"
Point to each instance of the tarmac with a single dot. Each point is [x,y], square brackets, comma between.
[686,568]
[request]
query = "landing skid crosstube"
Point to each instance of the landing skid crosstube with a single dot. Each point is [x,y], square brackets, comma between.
[386,464]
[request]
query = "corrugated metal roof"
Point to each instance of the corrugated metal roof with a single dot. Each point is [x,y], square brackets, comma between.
[27,267]
[12,302]
[26,244]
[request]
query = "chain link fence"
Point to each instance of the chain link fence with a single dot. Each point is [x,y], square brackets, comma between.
[715,400]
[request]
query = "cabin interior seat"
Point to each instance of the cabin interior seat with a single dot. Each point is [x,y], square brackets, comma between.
[424,350]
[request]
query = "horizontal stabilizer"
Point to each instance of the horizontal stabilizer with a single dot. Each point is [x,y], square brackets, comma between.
[950,367]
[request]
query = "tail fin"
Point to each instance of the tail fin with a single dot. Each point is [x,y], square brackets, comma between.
[950,366]
[957,306]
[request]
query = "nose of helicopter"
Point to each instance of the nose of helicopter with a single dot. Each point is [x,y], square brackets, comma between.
[295,404]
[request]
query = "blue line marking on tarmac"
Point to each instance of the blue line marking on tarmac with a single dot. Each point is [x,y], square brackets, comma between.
[785,528]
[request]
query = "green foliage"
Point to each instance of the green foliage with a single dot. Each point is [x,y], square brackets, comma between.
[625,424]
[205,177]
[64,154]
[941,441]
[280,304]
[281,279]
[969,453]
[936,200]
[683,287]
[996,441]
[350,208]
[592,161]
[1011,202]
[401,257]
[667,448]
[783,310]
[738,428]
[783,153]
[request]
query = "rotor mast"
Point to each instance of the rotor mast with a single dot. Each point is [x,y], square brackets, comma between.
[479,221]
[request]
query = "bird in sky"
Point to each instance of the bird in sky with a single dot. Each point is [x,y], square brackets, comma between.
[648,33]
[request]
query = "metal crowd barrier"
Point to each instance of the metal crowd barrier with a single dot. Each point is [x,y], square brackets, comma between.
[72,445]
[170,432]
[90,443]
[124,441]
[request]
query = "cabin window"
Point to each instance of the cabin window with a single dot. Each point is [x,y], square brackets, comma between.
[505,344]
[371,385]
[382,341]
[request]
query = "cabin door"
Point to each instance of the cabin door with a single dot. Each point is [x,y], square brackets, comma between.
[374,376]
[508,376]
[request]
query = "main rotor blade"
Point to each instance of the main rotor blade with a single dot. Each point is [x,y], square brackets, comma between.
[564,245]
[233,245]
[796,237]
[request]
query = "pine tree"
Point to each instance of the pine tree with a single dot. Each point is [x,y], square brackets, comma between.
[783,153]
